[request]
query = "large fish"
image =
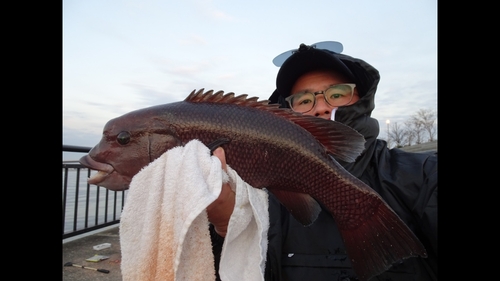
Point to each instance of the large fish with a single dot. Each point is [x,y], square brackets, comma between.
[270,147]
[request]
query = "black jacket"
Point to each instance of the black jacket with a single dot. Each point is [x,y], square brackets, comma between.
[406,181]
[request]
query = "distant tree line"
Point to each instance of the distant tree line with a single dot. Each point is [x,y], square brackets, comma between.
[419,128]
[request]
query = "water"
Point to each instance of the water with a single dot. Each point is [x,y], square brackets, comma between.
[97,210]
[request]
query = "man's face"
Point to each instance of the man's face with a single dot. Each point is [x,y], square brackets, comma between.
[317,81]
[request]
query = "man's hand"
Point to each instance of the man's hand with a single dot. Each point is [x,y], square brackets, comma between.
[221,209]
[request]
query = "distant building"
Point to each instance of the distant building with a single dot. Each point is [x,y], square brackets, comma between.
[423,147]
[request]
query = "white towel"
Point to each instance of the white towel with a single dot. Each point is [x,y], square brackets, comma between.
[164,231]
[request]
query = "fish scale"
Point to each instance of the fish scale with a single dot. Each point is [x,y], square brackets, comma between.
[285,152]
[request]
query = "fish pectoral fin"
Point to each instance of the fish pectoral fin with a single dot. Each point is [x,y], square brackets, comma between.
[219,142]
[302,206]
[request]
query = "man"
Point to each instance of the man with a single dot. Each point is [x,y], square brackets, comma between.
[334,86]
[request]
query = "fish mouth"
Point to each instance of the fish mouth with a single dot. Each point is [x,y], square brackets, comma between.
[103,169]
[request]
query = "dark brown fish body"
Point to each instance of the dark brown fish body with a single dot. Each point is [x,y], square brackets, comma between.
[269,147]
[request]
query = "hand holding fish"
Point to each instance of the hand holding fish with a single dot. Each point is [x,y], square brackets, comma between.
[221,209]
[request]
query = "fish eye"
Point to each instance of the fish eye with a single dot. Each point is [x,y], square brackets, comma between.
[123,137]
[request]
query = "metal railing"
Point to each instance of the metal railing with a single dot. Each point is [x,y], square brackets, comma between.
[86,207]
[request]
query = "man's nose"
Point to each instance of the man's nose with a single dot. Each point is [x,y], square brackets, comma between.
[322,110]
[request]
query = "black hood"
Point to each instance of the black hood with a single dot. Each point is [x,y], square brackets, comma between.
[358,115]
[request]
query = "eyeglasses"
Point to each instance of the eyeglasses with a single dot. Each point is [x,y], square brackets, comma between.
[333,46]
[335,96]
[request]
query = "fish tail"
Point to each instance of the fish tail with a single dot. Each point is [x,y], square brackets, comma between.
[379,242]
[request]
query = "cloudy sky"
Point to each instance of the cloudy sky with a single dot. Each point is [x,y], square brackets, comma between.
[120,56]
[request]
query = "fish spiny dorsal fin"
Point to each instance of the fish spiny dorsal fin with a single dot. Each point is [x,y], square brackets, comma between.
[220,97]
[229,98]
[226,97]
[206,96]
[338,139]
[201,96]
[217,95]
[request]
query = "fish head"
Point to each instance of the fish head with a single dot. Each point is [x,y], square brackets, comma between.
[128,144]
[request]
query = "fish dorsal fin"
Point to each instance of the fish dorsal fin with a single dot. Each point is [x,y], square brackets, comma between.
[301,205]
[219,97]
[338,139]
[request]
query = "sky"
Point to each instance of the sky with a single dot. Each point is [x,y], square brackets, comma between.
[119,56]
